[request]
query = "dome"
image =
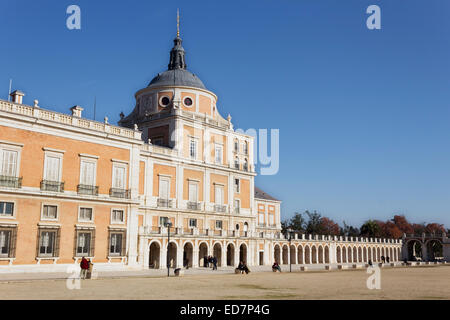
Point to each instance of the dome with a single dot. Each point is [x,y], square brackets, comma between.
[176,77]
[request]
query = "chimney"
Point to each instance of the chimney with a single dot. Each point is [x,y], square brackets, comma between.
[17,96]
[76,111]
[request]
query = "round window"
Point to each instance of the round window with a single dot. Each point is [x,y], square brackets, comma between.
[188,102]
[165,101]
[237,227]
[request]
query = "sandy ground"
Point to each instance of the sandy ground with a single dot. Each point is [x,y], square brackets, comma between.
[396,283]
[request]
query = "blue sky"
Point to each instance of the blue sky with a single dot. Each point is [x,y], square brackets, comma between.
[363,114]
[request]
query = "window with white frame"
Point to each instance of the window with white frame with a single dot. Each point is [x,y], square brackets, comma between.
[261,218]
[192,223]
[246,165]
[271,219]
[218,192]
[164,184]
[193,191]
[53,167]
[117,216]
[86,214]
[193,148]
[119,176]
[49,212]
[8,162]
[218,151]
[236,163]
[237,185]
[236,146]
[85,243]
[219,224]
[48,242]
[237,205]
[163,221]
[245,147]
[88,172]
[6,209]
[7,242]
[117,243]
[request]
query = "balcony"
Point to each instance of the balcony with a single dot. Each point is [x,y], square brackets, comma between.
[150,230]
[203,232]
[87,189]
[119,193]
[188,231]
[218,233]
[194,205]
[55,186]
[261,225]
[10,182]
[164,203]
[220,208]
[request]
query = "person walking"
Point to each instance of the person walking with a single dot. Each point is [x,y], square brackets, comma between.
[84,265]
[205,261]
[214,261]
[370,263]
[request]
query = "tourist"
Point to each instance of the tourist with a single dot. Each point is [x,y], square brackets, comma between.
[205,261]
[84,265]
[383,259]
[214,261]
[387,259]
[245,268]
[276,266]
[370,263]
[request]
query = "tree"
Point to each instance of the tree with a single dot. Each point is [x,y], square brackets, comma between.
[435,228]
[418,228]
[298,222]
[313,225]
[390,230]
[403,224]
[370,228]
[349,231]
[328,227]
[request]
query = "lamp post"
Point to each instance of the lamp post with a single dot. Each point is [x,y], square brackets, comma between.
[168,225]
[289,233]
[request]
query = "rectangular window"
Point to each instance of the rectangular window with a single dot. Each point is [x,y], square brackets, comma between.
[87,173]
[159,141]
[50,212]
[48,243]
[84,243]
[218,154]
[237,205]
[8,163]
[163,221]
[271,219]
[218,224]
[261,218]
[237,184]
[236,146]
[218,195]
[192,223]
[193,149]
[193,191]
[117,216]
[119,177]
[164,188]
[5,242]
[6,209]
[85,214]
[116,243]
[52,168]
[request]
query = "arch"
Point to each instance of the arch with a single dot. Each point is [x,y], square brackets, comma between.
[360,254]
[355,255]
[320,254]
[245,226]
[344,254]
[292,254]
[307,255]
[172,257]
[217,252]
[243,252]
[277,253]
[314,254]
[230,255]
[434,249]
[414,249]
[285,254]
[154,255]
[327,254]
[202,254]
[390,254]
[369,254]
[338,254]
[349,254]
[300,255]
[188,252]
[245,164]
[378,254]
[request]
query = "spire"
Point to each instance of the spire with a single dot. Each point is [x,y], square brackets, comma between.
[177,60]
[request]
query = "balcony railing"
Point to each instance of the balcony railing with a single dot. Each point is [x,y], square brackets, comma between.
[261,225]
[119,193]
[220,208]
[188,231]
[193,205]
[218,233]
[203,232]
[56,186]
[87,189]
[10,182]
[164,203]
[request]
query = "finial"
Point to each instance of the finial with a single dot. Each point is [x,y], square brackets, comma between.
[178,22]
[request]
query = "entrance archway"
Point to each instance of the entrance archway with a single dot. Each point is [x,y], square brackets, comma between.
[202,254]
[360,256]
[320,254]
[172,255]
[314,254]
[230,255]
[217,252]
[349,255]
[154,254]
[243,253]
[338,254]
[300,255]
[292,255]
[414,250]
[187,255]
[327,254]
[285,254]
[434,250]
[277,254]
[307,255]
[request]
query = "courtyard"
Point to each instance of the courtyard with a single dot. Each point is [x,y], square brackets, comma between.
[421,282]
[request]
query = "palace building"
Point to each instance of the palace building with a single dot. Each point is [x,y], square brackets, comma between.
[71,187]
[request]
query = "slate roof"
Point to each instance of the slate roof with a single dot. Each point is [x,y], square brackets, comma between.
[259,194]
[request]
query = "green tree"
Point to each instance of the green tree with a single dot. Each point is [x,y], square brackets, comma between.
[370,228]
[349,231]
[298,222]
[313,225]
